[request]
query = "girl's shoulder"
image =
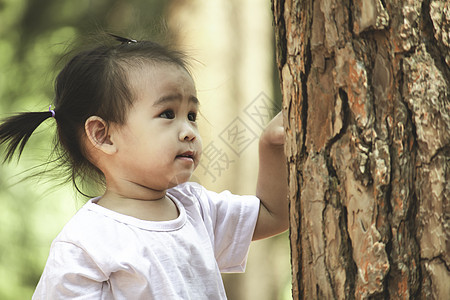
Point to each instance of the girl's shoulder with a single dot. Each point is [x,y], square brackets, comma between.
[82,223]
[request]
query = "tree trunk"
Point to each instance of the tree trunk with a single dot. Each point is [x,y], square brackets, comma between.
[366,107]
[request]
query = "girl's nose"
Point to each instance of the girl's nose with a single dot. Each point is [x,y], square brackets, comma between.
[187,133]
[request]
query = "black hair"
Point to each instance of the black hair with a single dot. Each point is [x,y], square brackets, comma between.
[93,82]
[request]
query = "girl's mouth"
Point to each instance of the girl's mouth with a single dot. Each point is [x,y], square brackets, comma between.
[188,155]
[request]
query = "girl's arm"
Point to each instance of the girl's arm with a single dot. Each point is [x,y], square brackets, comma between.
[272,185]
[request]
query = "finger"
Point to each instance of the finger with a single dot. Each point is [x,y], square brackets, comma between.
[278,136]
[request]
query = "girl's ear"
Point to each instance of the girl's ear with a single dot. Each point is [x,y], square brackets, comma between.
[97,133]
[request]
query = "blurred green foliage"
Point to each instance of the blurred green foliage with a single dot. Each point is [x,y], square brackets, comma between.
[34,34]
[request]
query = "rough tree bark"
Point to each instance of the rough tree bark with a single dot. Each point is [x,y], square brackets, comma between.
[366,87]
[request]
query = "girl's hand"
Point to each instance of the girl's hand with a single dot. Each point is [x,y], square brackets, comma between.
[274,133]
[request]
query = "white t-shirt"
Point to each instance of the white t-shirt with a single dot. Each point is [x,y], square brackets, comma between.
[101,254]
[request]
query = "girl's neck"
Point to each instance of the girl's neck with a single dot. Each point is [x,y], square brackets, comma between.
[155,209]
[138,201]
[121,189]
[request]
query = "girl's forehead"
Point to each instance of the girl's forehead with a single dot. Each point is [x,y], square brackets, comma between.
[161,77]
[158,71]
[152,67]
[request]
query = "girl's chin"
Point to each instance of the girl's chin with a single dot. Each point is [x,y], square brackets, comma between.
[179,179]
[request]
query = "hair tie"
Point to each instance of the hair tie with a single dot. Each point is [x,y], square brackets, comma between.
[51,110]
[123,40]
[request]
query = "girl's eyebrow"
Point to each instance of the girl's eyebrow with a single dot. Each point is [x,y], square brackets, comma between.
[175,97]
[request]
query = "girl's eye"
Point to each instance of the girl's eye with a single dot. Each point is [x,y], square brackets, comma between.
[168,114]
[192,117]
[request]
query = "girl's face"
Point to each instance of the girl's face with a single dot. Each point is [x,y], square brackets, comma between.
[159,146]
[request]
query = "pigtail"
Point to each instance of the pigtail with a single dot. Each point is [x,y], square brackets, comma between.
[16,130]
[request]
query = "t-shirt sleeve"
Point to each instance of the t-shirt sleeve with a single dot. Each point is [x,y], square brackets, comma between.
[232,220]
[70,273]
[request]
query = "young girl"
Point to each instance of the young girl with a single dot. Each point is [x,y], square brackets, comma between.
[127,113]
